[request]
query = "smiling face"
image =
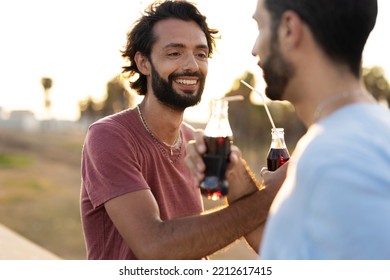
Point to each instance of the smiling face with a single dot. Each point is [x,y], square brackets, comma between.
[178,63]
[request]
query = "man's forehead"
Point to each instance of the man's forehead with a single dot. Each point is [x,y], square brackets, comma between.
[175,31]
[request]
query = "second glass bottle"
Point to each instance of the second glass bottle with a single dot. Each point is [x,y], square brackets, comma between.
[278,153]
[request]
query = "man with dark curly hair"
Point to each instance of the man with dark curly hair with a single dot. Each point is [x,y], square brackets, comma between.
[138,199]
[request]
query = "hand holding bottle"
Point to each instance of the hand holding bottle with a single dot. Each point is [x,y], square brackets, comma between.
[236,171]
[274,179]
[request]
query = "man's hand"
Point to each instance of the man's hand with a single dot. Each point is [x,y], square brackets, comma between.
[194,161]
[274,179]
[242,183]
[240,178]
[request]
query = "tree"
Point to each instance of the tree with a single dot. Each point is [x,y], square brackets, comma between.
[117,99]
[47,83]
[376,83]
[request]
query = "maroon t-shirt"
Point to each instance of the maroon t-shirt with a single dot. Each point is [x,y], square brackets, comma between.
[120,156]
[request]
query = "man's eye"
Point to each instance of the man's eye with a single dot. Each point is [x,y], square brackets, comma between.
[202,55]
[173,54]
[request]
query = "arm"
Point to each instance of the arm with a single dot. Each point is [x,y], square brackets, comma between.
[272,181]
[136,215]
[137,218]
[242,184]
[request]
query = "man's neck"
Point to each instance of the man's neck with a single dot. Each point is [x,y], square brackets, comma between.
[325,105]
[323,90]
[163,121]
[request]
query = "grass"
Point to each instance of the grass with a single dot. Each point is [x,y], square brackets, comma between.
[15,161]
[39,189]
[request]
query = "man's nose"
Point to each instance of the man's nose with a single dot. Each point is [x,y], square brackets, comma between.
[190,63]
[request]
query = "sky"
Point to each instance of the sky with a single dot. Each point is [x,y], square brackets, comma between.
[77,44]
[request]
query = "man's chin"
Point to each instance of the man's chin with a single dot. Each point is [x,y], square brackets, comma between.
[180,107]
[190,92]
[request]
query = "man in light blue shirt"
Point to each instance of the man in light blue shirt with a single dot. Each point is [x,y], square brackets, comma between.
[335,203]
[335,200]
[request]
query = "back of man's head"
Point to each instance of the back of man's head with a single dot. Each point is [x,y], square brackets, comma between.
[340,27]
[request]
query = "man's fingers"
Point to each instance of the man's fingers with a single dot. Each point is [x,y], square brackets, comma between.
[194,160]
[235,154]
[199,139]
[263,172]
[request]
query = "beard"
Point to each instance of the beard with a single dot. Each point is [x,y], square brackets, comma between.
[165,93]
[277,72]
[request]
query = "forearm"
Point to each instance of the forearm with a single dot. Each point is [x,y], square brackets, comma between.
[192,237]
[199,236]
[136,216]
[246,183]
[254,238]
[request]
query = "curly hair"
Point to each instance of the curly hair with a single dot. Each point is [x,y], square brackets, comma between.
[141,38]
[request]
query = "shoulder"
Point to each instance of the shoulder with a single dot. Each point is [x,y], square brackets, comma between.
[347,154]
[125,120]
[113,129]
[354,131]
[122,119]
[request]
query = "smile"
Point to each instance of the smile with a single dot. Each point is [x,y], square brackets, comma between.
[186,82]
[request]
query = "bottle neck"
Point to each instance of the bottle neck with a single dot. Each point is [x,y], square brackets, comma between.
[219,109]
[278,138]
[218,124]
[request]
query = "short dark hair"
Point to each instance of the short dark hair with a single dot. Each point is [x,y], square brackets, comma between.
[141,38]
[340,27]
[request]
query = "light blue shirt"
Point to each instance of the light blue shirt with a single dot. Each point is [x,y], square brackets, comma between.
[335,202]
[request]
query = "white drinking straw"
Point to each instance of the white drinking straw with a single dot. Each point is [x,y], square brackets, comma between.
[262,97]
[233,98]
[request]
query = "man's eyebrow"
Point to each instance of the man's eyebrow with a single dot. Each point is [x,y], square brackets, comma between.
[180,45]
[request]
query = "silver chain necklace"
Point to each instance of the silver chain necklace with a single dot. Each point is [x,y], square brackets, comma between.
[178,140]
[330,101]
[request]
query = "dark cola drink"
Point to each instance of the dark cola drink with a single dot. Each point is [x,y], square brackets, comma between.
[276,158]
[278,153]
[218,137]
[214,185]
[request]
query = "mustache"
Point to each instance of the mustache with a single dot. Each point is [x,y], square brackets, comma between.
[186,73]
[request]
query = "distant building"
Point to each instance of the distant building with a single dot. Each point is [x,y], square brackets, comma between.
[25,120]
[2,114]
[22,119]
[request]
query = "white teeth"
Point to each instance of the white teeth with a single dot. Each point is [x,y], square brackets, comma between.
[186,82]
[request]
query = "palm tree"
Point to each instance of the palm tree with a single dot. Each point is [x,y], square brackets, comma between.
[47,83]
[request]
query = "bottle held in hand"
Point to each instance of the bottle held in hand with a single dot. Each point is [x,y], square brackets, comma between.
[278,153]
[218,138]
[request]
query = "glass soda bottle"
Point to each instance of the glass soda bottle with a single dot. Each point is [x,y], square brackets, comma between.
[278,153]
[218,137]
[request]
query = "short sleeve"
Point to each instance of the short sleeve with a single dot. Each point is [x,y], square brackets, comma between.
[110,165]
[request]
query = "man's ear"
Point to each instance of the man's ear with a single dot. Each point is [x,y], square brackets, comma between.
[142,62]
[290,30]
